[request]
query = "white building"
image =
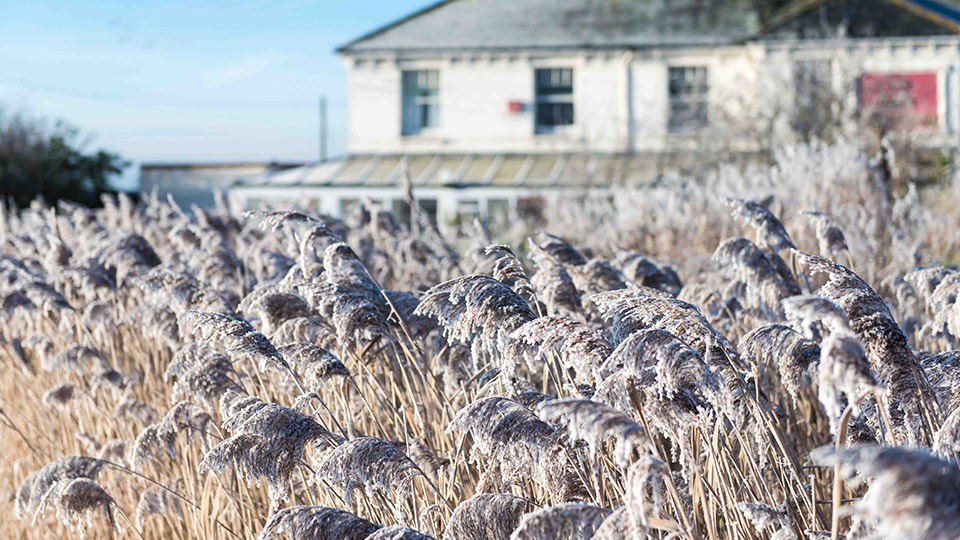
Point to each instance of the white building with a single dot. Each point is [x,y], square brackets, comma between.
[493,107]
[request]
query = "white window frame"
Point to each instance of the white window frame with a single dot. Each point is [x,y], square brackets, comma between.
[538,98]
[415,99]
[699,98]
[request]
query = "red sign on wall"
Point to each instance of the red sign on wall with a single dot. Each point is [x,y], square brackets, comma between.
[899,101]
[514,106]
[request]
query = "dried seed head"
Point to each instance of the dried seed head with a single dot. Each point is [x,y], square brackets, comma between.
[597,423]
[486,516]
[763,517]
[912,494]
[156,501]
[398,532]
[770,231]
[579,347]
[61,395]
[268,441]
[829,235]
[39,482]
[76,500]
[566,521]
[316,523]
[372,465]
[237,335]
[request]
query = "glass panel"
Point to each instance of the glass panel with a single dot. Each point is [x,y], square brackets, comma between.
[553,88]
[541,171]
[429,207]
[401,211]
[421,100]
[477,170]
[350,173]
[688,89]
[382,173]
[445,171]
[498,212]
[507,173]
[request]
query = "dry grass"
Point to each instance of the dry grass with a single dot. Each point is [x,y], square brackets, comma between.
[788,374]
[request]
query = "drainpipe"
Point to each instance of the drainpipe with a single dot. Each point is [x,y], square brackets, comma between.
[631,123]
[948,96]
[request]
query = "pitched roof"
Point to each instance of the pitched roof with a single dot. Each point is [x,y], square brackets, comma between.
[525,24]
[478,25]
[824,19]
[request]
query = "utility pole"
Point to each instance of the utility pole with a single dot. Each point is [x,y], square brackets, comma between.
[323,128]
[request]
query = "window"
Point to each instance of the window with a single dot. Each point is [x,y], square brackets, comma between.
[531,209]
[421,100]
[498,212]
[554,98]
[688,98]
[467,211]
[898,101]
[401,211]
[429,208]
[814,98]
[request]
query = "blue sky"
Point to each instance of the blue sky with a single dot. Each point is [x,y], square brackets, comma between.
[193,81]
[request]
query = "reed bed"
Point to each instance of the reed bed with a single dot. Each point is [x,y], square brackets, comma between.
[775,363]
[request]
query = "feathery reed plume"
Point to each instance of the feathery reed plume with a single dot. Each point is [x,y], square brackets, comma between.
[579,347]
[678,366]
[886,345]
[276,308]
[486,516]
[39,482]
[596,424]
[315,364]
[912,495]
[181,291]
[763,517]
[645,480]
[648,272]
[61,395]
[554,285]
[560,249]
[76,500]
[200,373]
[770,231]
[509,270]
[476,308]
[344,268]
[844,368]
[162,436]
[236,334]
[795,356]
[268,441]
[766,286]
[305,330]
[598,275]
[516,446]
[316,523]
[76,358]
[946,443]
[131,408]
[357,319]
[632,310]
[372,465]
[157,501]
[116,451]
[565,521]
[274,219]
[398,532]
[829,235]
